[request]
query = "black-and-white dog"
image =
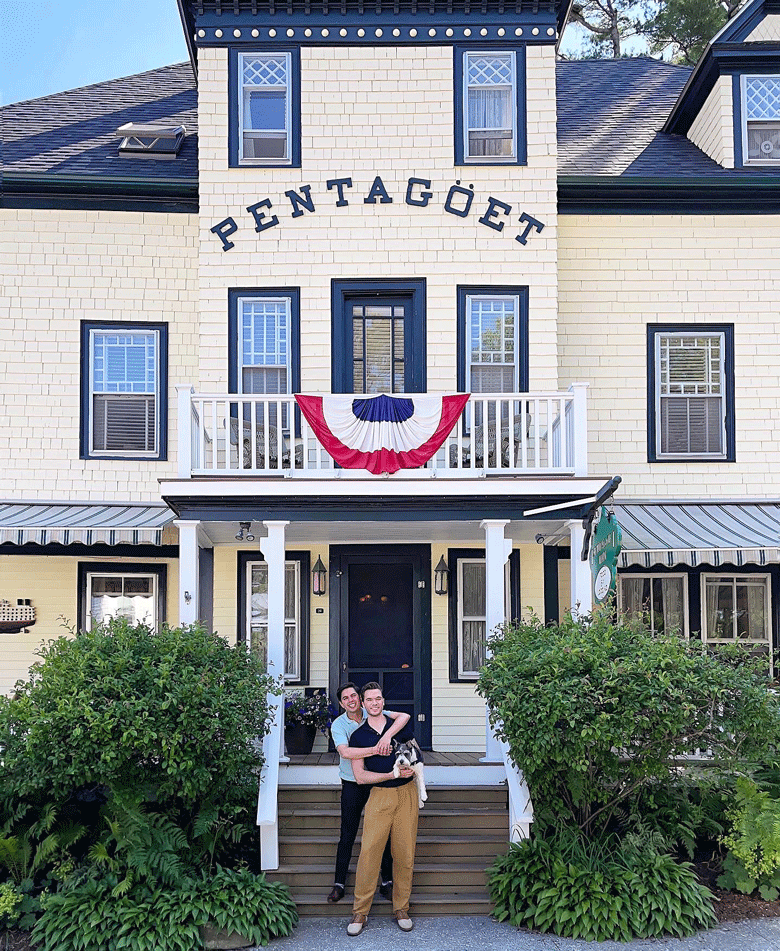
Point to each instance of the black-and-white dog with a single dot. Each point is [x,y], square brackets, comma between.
[410,755]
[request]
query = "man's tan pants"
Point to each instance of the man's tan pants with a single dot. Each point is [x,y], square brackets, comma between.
[392,812]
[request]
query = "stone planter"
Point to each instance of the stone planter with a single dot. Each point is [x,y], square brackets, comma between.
[215,939]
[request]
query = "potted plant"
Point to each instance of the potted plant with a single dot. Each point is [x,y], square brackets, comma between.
[303,716]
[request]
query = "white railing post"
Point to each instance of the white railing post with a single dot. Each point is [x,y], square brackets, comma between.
[272,547]
[521,810]
[497,551]
[184,422]
[581,587]
[580,428]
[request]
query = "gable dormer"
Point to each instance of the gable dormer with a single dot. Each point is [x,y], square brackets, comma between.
[730,106]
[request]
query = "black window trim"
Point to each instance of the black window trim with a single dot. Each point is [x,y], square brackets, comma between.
[115,326]
[304,559]
[653,330]
[85,568]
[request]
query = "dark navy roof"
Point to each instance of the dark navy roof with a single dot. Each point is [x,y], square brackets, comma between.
[73,133]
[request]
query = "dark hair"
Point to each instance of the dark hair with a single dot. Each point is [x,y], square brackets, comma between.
[372,685]
[344,687]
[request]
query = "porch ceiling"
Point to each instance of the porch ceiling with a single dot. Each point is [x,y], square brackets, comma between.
[387,533]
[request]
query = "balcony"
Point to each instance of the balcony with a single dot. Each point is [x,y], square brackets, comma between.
[499,434]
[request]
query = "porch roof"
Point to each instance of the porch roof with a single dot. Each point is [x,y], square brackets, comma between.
[44,523]
[699,533]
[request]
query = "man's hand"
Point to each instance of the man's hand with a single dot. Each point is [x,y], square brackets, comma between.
[406,772]
[382,748]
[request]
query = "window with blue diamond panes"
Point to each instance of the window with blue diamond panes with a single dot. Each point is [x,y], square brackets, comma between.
[761,120]
[489,106]
[264,108]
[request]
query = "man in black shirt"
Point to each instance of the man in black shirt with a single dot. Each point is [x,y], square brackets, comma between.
[392,808]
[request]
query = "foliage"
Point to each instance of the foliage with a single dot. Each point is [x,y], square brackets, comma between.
[684,27]
[608,24]
[19,905]
[753,860]
[598,890]
[300,710]
[90,915]
[595,710]
[121,706]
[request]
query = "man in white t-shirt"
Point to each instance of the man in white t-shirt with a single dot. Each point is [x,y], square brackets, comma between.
[354,796]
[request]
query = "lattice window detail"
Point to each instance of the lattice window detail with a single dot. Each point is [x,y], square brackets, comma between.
[490,71]
[762,98]
[265,71]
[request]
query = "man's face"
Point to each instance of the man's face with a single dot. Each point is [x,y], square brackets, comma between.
[350,700]
[374,702]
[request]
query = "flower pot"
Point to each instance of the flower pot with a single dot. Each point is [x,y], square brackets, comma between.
[299,739]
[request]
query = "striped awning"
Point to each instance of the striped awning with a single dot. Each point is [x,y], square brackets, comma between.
[706,533]
[44,523]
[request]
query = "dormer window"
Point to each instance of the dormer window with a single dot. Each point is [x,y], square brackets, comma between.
[761,123]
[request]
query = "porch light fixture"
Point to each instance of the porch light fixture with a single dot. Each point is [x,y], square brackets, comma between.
[441,577]
[245,532]
[319,577]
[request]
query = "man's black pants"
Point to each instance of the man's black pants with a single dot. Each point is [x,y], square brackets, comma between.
[353,800]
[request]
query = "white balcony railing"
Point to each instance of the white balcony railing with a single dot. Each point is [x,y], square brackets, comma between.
[499,433]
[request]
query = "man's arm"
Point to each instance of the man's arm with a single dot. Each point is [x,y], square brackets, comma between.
[399,722]
[365,777]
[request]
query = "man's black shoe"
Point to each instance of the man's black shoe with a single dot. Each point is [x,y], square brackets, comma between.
[336,894]
[386,890]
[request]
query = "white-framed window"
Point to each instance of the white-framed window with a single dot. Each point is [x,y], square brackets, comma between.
[257,614]
[737,609]
[265,108]
[118,595]
[471,615]
[124,381]
[662,598]
[760,120]
[264,345]
[690,395]
[490,106]
[492,328]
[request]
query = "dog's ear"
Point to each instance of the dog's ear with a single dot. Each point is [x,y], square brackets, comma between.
[394,744]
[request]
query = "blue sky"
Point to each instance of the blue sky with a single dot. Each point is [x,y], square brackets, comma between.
[47,46]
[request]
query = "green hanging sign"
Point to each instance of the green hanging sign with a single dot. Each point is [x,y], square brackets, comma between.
[605,544]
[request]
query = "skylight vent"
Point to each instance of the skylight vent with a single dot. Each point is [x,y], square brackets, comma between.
[147,139]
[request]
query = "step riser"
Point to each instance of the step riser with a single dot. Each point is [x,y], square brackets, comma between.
[301,825]
[344,910]
[438,853]
[433,881]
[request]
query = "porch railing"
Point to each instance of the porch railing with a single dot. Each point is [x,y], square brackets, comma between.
[498,433]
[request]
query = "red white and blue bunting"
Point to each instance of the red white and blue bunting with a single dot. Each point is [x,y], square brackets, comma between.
[382,433]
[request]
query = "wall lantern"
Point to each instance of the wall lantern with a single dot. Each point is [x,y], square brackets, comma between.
[319,576]
[441,577]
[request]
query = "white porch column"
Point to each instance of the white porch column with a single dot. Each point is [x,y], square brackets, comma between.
[497,551]
[581,587]
[189,570]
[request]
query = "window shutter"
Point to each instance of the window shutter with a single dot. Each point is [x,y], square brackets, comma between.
[124,423]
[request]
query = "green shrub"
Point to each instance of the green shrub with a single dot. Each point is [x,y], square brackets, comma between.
[91,915]
[753,859]
[587,890]
[19,907]
[120,706]
[594,710]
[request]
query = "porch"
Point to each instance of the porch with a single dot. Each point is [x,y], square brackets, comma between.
[508,434]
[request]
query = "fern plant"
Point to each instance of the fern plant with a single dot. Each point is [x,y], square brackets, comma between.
[753,860]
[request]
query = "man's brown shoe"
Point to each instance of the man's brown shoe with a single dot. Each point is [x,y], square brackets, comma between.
[336,894]
[405,923]
[356,925]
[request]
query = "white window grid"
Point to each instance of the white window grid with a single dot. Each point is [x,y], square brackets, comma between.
[711,383]
[746,581]
[653,608]
[498,71]
[257,615]
[270,71]
[135,353]
[463,618]
[761,110]
[150,619]
[264,335]
[489,346]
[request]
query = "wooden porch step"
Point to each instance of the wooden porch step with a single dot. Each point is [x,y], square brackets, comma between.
[301,821]
[432,876]
[422,905]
